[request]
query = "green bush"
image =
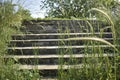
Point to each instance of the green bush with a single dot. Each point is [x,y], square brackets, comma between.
[10,23]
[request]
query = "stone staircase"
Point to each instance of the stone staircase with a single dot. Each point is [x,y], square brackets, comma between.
[40,45]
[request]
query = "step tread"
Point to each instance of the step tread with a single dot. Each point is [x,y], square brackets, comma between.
[59,34]
[48,67]
[56,47]
[55,56]
[45,40]
[49,79]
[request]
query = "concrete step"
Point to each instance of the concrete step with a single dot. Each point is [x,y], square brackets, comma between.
[48,67]
[45,50]
[49,79]
[57,56]
[44,42]
[37,31]
[58,35]
[56,47]
[70,24]
[62,30]
[52,59]
[49,34]
[45,61]
[49,42]
[48,71]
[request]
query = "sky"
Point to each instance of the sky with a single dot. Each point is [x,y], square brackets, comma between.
[33,6]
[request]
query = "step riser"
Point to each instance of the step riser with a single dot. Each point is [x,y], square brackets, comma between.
[55,51]
[50,61]
[53,61]
[48,43]
[53,30]
[55,43]
[32,52]
[65,23]
[57,30]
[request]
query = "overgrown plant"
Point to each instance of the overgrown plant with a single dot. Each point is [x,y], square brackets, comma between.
[75,8]
[10,23]
[93,67]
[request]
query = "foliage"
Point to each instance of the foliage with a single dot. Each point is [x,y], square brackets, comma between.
[10,71]
[10,23]
[93,68]
[75,8]
[26,14]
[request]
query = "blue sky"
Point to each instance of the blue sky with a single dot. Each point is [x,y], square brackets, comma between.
[33,6]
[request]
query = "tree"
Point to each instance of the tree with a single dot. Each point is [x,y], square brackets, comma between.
[75,8]
[25,14]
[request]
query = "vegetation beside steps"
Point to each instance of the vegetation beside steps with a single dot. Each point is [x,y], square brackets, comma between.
[66,50]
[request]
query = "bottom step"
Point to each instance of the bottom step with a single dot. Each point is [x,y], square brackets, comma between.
[47,67]
[48,79]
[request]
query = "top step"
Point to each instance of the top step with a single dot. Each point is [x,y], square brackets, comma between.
[59,35]
[55,26]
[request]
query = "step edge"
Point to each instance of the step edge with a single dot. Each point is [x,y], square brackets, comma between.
[57,47]
[56,56]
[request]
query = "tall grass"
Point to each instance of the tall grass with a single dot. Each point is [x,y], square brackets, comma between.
[93,68]
[10,22]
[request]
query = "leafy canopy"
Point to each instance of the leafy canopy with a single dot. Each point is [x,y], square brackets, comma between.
[75,8]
